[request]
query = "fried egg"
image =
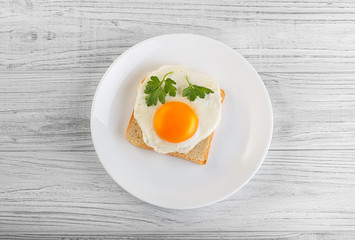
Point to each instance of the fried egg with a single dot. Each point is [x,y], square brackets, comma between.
[178,124]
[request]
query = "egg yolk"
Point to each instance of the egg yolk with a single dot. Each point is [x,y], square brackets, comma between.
[175,122]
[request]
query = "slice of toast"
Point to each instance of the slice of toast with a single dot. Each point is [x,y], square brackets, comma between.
[198,154]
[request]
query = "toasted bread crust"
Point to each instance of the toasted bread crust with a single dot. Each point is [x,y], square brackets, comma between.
[198,154]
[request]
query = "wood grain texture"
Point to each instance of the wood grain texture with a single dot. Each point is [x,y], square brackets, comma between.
[71,192]
[52,56]
[272,35]
[196,235]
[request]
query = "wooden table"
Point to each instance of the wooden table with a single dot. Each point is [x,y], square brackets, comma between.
[54,53]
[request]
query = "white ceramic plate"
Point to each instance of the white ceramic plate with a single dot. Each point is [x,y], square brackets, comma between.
[240,142]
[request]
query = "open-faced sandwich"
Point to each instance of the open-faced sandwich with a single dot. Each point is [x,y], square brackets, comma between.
[176,113]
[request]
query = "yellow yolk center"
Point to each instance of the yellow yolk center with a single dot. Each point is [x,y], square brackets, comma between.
[175,122]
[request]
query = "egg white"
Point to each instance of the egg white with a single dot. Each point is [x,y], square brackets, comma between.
[208,110]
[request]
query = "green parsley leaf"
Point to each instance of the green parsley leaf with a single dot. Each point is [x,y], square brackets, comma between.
[193,91]
[169,87]
[152,98]
[152,85]
[155,91]
[190,93]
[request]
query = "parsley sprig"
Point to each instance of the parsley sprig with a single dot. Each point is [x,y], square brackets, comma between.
[155,91]
[193,91]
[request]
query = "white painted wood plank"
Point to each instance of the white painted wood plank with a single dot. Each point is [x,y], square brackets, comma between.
[294,191]
[272,35]
[50,111]
[194,235]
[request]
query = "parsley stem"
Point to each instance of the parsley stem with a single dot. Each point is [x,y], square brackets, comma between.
[187,79]
[165,76]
